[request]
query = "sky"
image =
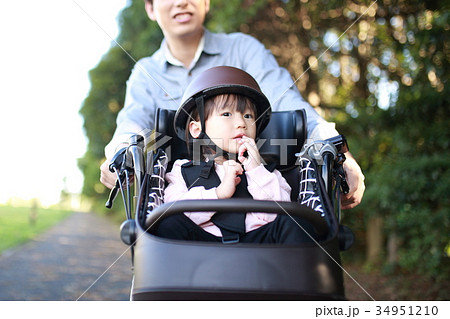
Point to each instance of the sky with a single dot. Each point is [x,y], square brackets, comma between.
[46,50]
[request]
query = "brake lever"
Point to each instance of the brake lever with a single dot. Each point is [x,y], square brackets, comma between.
[114,191]
[112,196]
[340,172]
[344,185]
[116,164]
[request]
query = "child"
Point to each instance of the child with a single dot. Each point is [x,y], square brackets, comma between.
[225,109]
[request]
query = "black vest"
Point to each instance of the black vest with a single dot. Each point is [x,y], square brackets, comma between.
[203,174]
[231,225]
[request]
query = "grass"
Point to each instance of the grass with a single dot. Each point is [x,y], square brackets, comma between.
[18,226]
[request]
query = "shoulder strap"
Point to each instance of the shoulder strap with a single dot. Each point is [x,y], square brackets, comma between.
[200,174]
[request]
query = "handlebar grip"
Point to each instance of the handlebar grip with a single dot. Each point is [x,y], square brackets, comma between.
[117,160]
[340,142]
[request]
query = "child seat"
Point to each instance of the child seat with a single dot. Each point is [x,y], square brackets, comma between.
[166,269]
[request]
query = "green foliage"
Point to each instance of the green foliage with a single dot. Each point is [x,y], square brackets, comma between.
[231,15]
[17,226]
[139,36]
[99,110]
[379,69]
[411,192]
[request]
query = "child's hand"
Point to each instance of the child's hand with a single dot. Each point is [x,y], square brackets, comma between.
[228,185]
[253,160]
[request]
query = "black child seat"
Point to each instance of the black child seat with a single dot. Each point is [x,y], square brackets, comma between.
[167,269]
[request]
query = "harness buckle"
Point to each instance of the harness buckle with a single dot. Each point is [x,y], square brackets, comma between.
[230,239]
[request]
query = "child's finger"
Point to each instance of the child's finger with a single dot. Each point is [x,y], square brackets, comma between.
[241,151]
[233,166]
[252,159]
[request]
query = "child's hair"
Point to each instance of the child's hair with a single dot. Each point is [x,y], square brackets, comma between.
[239,103]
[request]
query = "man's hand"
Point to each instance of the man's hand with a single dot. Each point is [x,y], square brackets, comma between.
[228,185]
[106,177]
[355,180]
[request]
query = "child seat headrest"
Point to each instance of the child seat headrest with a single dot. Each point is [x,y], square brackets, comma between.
[284,136]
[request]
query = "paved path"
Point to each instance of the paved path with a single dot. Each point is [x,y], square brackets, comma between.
[64,262]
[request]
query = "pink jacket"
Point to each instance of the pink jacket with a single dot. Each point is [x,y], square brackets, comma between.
[262,185]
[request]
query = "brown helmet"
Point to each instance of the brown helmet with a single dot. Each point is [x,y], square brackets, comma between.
[221,80]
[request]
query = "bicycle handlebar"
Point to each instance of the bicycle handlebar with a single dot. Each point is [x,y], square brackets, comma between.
[130,160]
[233,205]
[127,161]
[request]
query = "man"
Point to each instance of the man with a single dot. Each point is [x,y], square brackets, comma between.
[187,50]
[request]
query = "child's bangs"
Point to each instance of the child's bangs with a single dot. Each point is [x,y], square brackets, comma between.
[236,102]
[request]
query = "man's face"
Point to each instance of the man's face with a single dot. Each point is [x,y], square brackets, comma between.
[178,18]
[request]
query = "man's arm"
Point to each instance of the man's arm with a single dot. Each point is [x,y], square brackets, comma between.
[283,94]
[137,115]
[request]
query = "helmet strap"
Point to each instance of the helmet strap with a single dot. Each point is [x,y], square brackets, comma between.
[200,103]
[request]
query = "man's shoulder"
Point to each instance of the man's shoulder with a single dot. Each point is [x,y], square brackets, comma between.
[150,64]
[218,42]
[232,36]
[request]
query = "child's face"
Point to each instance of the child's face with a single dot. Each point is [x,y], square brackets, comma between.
[226,125]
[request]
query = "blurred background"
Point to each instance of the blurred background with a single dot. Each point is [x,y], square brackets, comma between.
[379,69]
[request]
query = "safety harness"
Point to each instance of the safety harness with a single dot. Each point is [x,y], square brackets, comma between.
[231,225]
